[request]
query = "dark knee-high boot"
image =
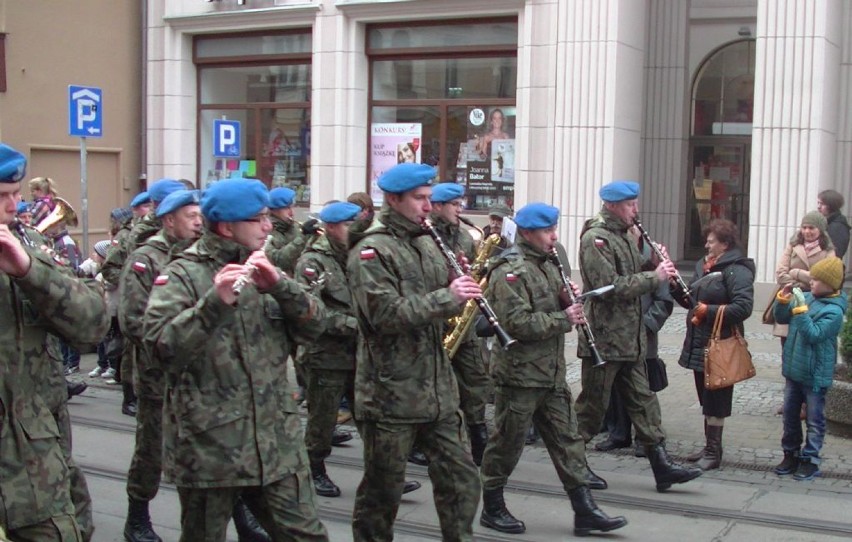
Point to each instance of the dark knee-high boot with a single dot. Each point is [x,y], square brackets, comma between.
[588,517]
[712,457]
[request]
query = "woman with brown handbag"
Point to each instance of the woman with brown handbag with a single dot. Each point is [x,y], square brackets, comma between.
[734,291]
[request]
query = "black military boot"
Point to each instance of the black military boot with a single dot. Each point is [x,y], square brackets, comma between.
[339,436]
[322,483]
[410,485]
[667,472]
[593,480]
[138,526]
[418,458]
[713,451]
[247,526]
[496,516]
[588,517]
[478,439]
[128,403]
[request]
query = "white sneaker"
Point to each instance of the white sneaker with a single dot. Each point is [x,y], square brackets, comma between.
[109,373]
[97,371]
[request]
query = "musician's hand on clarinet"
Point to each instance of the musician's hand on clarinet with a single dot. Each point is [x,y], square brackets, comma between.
[464,288]
[655,258]
[463,262]
[265,274]
[14,260]
[575,314]
[665,270]
[224,282]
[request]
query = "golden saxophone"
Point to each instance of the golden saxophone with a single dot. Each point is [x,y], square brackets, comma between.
[246,278]
[459,326]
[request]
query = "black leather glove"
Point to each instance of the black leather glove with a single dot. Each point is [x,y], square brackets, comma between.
[311,227]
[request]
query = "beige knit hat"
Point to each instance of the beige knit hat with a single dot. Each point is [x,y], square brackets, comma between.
[829,271]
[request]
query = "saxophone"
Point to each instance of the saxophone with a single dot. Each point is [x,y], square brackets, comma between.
[459,326]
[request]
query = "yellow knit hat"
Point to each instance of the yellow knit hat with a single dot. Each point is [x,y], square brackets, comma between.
[829,271]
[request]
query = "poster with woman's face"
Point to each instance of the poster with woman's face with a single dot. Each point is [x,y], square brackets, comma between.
[488,156]
[392,143]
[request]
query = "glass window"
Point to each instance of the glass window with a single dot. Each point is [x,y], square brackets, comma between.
[723,94]
[251,84]
[454,78]
[444,36]
[279,44]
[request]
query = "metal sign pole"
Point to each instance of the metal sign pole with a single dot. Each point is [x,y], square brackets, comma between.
[84,196]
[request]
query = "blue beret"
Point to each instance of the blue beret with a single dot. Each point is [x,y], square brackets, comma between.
[234,200]
[141,199]
[13,165]
[23,207]
[444,192]
[341,211]
[404,177]
[535,216]
[162,188]
[178,199]
[281,198]
[619,191]
[120,214]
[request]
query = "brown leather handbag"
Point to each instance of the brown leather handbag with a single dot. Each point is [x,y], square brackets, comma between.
[726,361]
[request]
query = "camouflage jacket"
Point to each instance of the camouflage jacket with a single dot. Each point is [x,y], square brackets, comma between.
[146,227]
[34,481]
[399,280]
[137,279]
[324,263]
[523,289]
[286,245]
[610,255]
[229,418]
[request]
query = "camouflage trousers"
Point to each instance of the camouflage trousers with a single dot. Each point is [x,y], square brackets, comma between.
[551,412]
[146,466]
[55,529]
[286,509]
[79,488]
[454,478]
[630,379]
[325,389]
[473,381]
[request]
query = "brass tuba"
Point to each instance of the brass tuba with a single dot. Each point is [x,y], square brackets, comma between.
[61,212]
[459,326]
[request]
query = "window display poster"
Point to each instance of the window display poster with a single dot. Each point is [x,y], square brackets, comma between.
[392,143]
[486,162]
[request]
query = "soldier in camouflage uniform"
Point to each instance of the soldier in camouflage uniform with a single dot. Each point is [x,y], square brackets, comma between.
[527,294]
[143,228]
[287,241]
[38,298]
[609,255]
[230,426]
[180,215]
[405,389]
[447,205]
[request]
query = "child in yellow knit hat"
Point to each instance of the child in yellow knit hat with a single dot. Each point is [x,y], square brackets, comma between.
[815,319]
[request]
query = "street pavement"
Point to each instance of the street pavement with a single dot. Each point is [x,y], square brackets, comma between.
[744,500]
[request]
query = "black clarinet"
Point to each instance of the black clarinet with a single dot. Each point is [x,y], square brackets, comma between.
[683,290]
[19,227]
[506,341]
[587,329]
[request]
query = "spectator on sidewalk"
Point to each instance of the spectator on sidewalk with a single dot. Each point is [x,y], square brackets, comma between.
[829,203]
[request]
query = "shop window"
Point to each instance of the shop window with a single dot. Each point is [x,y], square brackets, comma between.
[444,94]
[264,83]
[723,93]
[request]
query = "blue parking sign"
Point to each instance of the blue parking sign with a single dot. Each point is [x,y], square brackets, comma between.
[85,111]
[226,138]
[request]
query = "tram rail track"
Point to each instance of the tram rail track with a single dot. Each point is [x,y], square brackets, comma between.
[648,504]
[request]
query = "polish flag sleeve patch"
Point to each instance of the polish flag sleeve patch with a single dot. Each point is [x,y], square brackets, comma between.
[161,279]
[368,253]
[309,272]
[600,243]
[139,267]
[511,277]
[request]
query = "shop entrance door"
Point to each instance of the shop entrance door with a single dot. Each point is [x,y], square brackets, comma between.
[719,187]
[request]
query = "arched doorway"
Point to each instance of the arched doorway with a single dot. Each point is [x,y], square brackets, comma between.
[720,142]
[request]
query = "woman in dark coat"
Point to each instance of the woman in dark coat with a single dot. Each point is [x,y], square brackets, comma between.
[829,203]
[734,290]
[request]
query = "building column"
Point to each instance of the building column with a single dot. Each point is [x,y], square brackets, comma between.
[600,59]
[665,131]
[843,184]
[795,137]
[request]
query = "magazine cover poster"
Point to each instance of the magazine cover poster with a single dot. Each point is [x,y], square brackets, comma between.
[486,161]
[392,143]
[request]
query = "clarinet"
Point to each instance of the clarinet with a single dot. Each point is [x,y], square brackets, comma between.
[587,329]
[506,341]
[246,278]
[683,290]
[19,227]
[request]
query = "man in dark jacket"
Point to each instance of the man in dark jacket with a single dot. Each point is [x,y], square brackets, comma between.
[609,255]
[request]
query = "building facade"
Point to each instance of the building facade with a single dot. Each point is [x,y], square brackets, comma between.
[44,48]
[731,108]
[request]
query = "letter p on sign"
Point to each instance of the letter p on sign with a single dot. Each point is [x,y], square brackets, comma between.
[226,138]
